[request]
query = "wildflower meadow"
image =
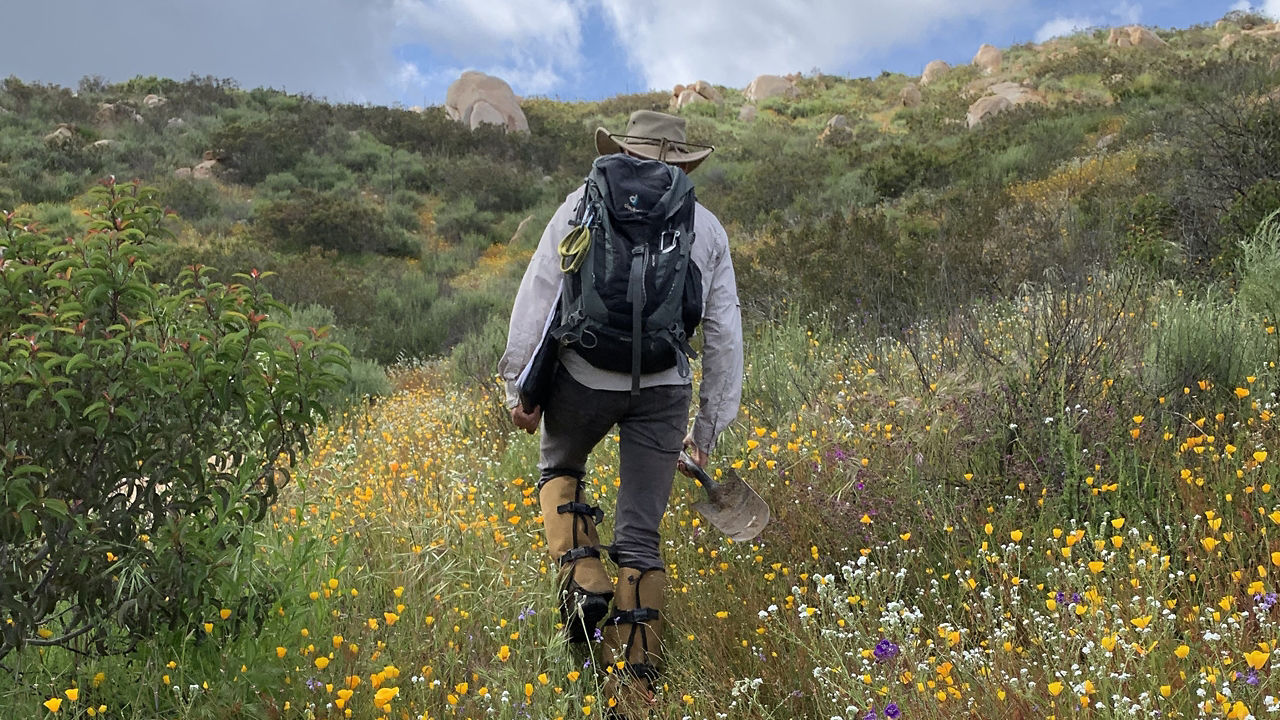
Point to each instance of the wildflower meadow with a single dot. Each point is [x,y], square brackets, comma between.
[1050,539]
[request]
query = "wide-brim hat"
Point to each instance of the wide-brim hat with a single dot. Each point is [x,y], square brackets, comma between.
[656,136]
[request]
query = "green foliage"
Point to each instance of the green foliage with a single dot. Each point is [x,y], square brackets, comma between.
[495,186]
[260,144]
[145,427]
[363,378]
[475,357]
[1252,208]
[1147,240]
[1203,340]
[191,199]
[332,220]
[1258,269]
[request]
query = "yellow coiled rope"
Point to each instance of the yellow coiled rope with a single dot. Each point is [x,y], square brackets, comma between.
[573,248]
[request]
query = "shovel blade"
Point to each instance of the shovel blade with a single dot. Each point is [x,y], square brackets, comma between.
[734,508]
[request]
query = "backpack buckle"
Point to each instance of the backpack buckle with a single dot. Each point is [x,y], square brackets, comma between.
[663,247]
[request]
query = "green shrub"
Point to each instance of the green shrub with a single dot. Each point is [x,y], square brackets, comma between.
[399,327]
[57,220]
[144,427]
[1258,270]
[333,221]
[191,199]
[1251,209]
[1148,241]
[494,186]
[323,173]
[364,378]
[259,145]
[1203,340]
[461,217]
[475,359]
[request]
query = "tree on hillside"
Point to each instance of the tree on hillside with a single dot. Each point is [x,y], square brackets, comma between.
[143,429]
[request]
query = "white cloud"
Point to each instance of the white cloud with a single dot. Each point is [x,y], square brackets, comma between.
[1127,13]
[387,51]
[1240,6]
[532,44]
[1270,8]
[731,41]
[1061,26]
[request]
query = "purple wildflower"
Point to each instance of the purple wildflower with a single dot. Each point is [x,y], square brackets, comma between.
[1252,677]
[871,714]
[891,711]
[314,684]
[885,650]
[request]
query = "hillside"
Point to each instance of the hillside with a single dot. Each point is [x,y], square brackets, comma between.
[1010,393]
[404,223]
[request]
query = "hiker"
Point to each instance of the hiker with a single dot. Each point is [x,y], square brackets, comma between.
[592,303]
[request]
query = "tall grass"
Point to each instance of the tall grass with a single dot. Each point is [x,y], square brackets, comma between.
[915,557]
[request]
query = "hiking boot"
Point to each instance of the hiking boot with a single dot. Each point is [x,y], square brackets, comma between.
[628,697]
[581,613]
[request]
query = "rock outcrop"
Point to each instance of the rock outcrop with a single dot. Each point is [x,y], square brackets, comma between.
[155,101]
[476,98]
[1270,31]
[910,96]
[837,132]
[116,114]
[747,113]
[1016,93]
[63,136]
[767,86]
[989,58]
[1266,32]
[1134,36]
[214,165]
[987,107]
[483,112]
[933,71]
[700,91]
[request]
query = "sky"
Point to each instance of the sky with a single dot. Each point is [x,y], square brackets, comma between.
[408,52]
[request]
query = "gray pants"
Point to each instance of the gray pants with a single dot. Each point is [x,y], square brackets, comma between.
[651,427]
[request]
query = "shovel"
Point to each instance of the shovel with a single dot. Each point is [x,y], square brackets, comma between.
[731,505]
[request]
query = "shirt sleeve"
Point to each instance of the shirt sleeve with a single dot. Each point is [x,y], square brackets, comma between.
[538,290]
[720,392]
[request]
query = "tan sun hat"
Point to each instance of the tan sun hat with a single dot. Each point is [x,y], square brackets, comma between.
[654,135]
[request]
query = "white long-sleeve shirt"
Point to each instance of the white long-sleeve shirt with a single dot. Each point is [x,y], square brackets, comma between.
[721,389]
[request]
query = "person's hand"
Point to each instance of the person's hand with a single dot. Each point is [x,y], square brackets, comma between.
[526,421]
[695,454]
